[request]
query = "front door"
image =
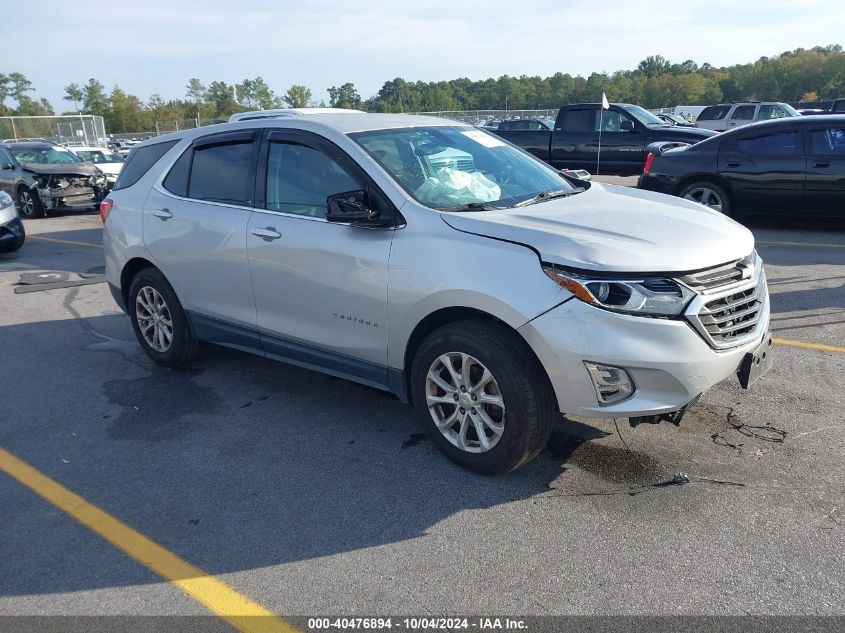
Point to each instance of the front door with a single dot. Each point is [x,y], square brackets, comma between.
[320,287]
[765,169]
[742,115]
[620,143]
[825,189]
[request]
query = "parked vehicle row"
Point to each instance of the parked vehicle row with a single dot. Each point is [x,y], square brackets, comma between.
[434,260]
[726,116]
[624,131]
[788,166]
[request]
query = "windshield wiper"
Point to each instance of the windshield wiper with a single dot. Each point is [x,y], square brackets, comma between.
[548,195]
[475,206]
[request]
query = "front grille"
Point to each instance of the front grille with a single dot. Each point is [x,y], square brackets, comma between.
[731,301]
[729,318]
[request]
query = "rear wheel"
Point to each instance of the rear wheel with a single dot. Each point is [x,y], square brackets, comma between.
[709,194]
[482,398]
[159,321]
[29,203]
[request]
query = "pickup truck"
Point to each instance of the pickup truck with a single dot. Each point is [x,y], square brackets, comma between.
[626,132]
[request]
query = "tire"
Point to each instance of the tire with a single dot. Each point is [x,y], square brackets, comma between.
[528,407]
[149,295]
[709,194]
[30,204]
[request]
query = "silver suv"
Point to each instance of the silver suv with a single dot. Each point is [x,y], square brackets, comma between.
[486,289]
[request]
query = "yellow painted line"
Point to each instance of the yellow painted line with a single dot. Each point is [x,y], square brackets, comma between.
[208,590]
[813,245]
[58,241]
[807,345]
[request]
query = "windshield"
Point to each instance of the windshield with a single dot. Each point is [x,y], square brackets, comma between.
[642,115]
[790,110]
[447,167]
[99,156]
[45,155]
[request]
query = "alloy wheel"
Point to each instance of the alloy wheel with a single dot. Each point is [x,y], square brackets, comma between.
[27,203]
[154,318]
[705,196]
[465,402]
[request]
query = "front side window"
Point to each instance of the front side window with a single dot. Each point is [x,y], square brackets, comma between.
[446,167]
[773,143]
[222,173]
[744,113]
[829,140]
[301,178]
[611,121]
[771,112]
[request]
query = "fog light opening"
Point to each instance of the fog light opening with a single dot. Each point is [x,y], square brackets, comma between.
[612,384]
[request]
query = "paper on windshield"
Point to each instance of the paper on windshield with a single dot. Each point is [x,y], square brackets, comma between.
[483,138]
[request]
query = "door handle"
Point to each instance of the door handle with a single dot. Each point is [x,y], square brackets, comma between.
[164,214]
[270,233]
[733,163]
[822,165]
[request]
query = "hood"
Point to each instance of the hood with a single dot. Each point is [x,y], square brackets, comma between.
[112,169]
[64,169]
[616,229]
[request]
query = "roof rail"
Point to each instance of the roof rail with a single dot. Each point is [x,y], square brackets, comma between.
[286,112]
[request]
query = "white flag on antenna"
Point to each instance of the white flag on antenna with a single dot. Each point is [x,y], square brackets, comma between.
[604,104]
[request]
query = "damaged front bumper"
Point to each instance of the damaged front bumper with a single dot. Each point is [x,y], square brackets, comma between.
[64,192]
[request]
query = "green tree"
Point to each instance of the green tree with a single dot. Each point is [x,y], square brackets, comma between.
[94,98]
[346,96]
[4,92]
[74,94]
[20,86]
[654,66]
[196,92]
[221,98]
[297,96]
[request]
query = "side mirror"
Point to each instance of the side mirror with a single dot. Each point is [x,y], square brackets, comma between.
[8,166]
[627,125]
[349,207]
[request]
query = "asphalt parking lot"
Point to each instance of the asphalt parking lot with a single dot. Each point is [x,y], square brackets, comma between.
[311,496]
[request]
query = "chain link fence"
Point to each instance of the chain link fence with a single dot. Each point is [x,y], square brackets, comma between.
[76,129]
[482,117]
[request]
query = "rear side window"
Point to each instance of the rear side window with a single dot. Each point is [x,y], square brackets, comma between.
[223,173]
[177,180]
[139,162]
[774,143]
[579,120]
[828,140]
[714,113]
[744,113]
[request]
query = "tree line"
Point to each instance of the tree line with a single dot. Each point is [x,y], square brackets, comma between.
[802,75]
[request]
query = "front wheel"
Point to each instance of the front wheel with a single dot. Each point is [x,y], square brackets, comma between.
[482,397]
[709,194]
[30,204]
[160,324]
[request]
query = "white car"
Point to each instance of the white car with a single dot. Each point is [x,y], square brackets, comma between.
[435,261]
[107,161]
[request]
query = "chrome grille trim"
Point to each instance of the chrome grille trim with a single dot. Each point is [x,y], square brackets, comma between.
[732,304]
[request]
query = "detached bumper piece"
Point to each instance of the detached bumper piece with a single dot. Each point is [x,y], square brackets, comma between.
[674,417]
[755,363]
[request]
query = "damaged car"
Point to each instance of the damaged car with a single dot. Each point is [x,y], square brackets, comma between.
[41,177]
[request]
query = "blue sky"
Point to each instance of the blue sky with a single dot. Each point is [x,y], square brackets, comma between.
[156,45]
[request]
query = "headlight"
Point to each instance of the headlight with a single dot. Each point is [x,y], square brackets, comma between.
[647,296]
[5,200]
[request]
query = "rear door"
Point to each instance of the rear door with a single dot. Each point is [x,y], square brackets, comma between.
[825,188]
[765,169]
[742,115]
[574,139]
[195,224]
